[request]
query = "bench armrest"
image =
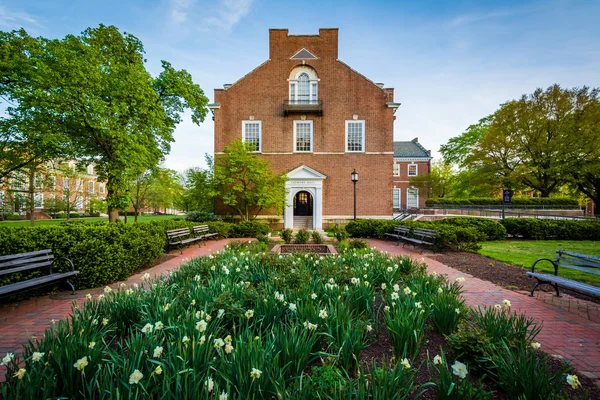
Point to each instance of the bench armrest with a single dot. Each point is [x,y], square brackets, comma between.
[70,262]
[554,264]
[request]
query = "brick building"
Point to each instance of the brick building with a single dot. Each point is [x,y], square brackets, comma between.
[316,119]
[410,160]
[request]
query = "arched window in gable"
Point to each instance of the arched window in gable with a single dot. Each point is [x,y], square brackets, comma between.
[304,85]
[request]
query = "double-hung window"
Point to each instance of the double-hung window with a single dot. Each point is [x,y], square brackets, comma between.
[101,187]
[412,170]
[396,198]
[38,200]
[355,136]
[91,187]
[396,169]
[303,136]
[412,198]
[66,184]
[252,134]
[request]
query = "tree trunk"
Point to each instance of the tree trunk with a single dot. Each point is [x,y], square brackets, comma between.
[113,215]
[31,196]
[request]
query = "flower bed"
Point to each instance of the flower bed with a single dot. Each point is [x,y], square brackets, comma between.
[244,324]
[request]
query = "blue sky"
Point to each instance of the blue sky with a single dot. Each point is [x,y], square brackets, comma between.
[451,63]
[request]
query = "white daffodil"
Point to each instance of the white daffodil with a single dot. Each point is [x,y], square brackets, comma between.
[459,369]
[223,396]
[457,310]
[220,313]
[405,364]
[369,328]
[383,286]
[104,321]
[185,340]
[323,314]
[460,279]
[88,296]
[210,384]
[7,358]
[255,373]
[497,306]
[135,377]
[146,277]
[418,304]
[158,370]
[293,307]
[91,345]
[202,340]
[394,296]
[201,325]
[107,290]
[81,363]
[437,360]
[218,343]
[37,356]
[158,326]
[506,303]
[228,348]
[535,345]
[573,380]
[249,314]
[407,291]
[158,350]
[147,328]
[313,296]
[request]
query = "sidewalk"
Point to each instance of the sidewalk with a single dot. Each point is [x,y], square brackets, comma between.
[21,320]
[565,334]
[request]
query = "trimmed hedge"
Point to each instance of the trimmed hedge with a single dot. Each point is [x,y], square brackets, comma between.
[462,234]
[201,216]
[548,229]
[491,201]
[492,229]
[105,253]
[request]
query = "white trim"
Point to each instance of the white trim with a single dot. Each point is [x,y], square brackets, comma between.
[306,179]
[417,197]
[399,190]
[313,79]
[310,122]
[364,130]
[396,166]
[416,169]
[413,159]
[300,51]
[101,188]
[244,122]
[330,217]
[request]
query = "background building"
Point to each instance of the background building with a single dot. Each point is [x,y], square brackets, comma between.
[410,160]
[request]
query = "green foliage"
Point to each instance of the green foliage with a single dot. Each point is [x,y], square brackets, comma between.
[201,216]
[12,217]
[246,183]
[471,345]
[444,307]
[317,238]
[302,236]
[449,386]
[545,229]
[329,381]
[387,382]
[339,232]
[287,235]
[524,373]
[493,230]
[197,183]
[406,326]
[515,201]
[250,229]
[359,245]
[500,324]
[459,148]
[344,245]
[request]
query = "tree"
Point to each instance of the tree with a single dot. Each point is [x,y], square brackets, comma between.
[538,140]
[439,181]
[197,194]
[246,183]
[460,147]
[96,89]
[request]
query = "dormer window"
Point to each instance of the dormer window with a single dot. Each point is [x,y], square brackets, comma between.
[304,85]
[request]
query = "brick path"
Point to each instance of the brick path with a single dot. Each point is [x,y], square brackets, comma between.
[21,320]
[565,333]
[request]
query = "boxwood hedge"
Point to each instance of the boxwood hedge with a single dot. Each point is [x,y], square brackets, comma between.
[488,201]
[547,229]
[105,253]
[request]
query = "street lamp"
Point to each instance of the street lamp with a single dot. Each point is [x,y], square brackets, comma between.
[354,180]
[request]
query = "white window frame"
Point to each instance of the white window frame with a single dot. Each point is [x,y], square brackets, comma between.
[313,85]
[416,169]
[396,169]
[259,133]
[101,187]
[90,184]
[79,204]
[312,135]
[78,185]
[399,190]
[90,169]
[39,196]
[19,181]
[417,200]
[364,130]
[66,184]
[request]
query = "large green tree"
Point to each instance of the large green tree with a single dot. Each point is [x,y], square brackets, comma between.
[95,88]
[246,182]
[198,190]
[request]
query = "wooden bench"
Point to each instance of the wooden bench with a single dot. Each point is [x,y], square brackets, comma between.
[400,232]
[27,262]
[415,236]
[568,259]
[181,237]
[203,232]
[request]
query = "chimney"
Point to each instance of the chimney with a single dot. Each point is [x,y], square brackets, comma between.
[381,85]
[276,40]
[226,86]
[416,140]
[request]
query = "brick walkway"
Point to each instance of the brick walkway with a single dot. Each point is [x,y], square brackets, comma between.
[565,334]
[21,320]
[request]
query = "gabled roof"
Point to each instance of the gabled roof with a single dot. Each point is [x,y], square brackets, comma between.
[412,149]
[303,55]
[304,172]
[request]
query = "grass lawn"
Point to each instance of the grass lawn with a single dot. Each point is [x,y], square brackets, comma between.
[143,218]
[525,252]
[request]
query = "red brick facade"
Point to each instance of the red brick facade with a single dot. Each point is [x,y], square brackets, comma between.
[343,95]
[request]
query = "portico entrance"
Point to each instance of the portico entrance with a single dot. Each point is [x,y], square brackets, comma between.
[304,204]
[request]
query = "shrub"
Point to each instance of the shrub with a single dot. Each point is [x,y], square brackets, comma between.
[287,235]
[471,345]
[201,216]
[502,325]
[388,382]
[343,245]
[339,232]
[316,237]
[406,327]
[302,236]
[250,229]
[262,238]
[545,229]
[359,245]
[12,217]
[493,230]
[489,201]
[329,381]
[444,317]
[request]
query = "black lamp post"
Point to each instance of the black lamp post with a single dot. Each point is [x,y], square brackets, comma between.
[354,180]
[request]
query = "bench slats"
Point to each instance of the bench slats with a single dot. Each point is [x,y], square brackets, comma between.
[25,255]
[592,270]
[22,261]
[565,282]
[26,267]
[14,287]
[579,255]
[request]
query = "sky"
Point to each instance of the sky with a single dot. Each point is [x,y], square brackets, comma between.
[450,62]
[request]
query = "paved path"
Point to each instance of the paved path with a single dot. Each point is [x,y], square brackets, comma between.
[564,333]
[21,320]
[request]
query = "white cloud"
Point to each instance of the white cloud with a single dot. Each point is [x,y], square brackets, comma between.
[229,13]
[477,17]
[179,10]
[11,19]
